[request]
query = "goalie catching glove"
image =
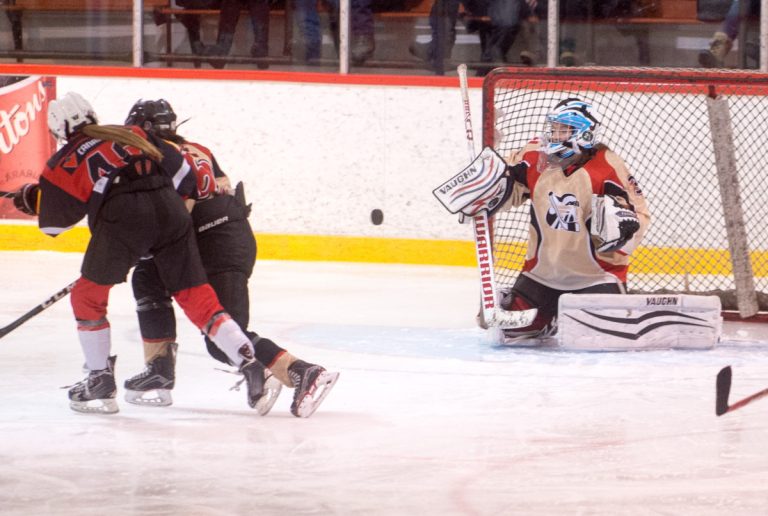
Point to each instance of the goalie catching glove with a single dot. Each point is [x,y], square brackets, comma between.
[613,223]
[26,198]
[483,186]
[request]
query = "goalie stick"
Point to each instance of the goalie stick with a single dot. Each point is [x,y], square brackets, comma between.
[6,194]
[490,314]
[36,310]
[723,390]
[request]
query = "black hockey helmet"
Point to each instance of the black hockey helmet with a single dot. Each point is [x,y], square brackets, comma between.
[155,116]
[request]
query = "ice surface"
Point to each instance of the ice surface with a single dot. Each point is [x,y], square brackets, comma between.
[426,419]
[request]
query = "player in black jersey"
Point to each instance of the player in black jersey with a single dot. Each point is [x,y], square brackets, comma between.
[228,250]
[130,184]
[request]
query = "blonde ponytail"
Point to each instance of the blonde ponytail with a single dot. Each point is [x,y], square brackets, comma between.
[123,136]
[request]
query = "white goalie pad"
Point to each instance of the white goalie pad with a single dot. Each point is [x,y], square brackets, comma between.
[618,322]
[480,186]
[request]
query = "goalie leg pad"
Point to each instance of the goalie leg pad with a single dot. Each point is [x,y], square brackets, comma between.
[609,322]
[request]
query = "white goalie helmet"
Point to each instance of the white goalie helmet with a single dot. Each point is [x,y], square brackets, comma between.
[580,119]
[68,114]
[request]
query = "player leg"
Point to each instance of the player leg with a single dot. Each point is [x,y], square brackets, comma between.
[524,295]
[232,290]
[181,270]
[96,393]
[157,324]
[228,272]
[119,238]
[259,11]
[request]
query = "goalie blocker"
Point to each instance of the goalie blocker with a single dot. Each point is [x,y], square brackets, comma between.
[483,186]
[626,322]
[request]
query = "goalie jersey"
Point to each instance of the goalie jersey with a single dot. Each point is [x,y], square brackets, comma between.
[561,254]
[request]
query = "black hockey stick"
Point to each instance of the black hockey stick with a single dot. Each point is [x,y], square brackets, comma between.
[36,310]
[724,390]
[6,194]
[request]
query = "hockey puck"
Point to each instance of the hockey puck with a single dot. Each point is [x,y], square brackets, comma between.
[377,217]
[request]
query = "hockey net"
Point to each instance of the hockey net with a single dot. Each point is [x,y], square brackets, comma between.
[696,143]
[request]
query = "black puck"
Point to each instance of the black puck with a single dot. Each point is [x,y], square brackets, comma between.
[377,217]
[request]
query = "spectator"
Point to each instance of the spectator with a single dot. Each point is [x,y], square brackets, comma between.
[722,40]
[230,14]
[191,22]
[584,11]
[496,37]
[534,12]
[362,30]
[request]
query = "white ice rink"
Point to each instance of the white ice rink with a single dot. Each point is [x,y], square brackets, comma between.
[426,419]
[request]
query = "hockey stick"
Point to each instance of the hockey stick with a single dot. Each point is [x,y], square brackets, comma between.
[490,314]
[6,194]
[36,310]
[723,390]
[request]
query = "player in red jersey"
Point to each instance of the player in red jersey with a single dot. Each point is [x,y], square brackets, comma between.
[228,250]
[132,186]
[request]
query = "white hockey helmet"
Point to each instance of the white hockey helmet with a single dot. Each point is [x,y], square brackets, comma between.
[581,117]
[68,114]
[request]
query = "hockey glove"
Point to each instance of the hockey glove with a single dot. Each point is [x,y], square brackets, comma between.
[613,223]
[482,186]
[240,196]
[26,198]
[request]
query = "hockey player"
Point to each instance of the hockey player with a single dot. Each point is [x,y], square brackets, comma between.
[130,184]
[228,250]
[587,214]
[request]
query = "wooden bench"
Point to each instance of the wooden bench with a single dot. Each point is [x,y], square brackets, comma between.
[14,10]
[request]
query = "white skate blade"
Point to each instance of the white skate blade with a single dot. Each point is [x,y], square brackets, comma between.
[150,398]
[272,387]
[315,396]
[105,406]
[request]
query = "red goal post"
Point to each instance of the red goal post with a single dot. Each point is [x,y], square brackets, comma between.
[697,143]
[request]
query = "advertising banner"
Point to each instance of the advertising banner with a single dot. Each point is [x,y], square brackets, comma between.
[25,143]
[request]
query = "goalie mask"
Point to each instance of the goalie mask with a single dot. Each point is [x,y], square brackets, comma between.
[155,116]
[570,128]
[69,114]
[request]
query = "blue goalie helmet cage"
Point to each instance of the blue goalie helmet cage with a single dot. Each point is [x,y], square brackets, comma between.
[581,117]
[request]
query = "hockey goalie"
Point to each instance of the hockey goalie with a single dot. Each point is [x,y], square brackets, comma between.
[587,216]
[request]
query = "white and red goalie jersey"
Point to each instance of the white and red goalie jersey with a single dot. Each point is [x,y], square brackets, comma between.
[561,251]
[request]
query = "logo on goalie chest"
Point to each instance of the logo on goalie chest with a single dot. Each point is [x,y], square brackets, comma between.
[563,212]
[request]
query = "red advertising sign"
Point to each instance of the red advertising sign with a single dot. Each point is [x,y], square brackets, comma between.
[25,143]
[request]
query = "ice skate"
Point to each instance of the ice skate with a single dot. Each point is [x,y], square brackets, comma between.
[262,387]
[152,387]
[530,337]
[312,384]
[96,393]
